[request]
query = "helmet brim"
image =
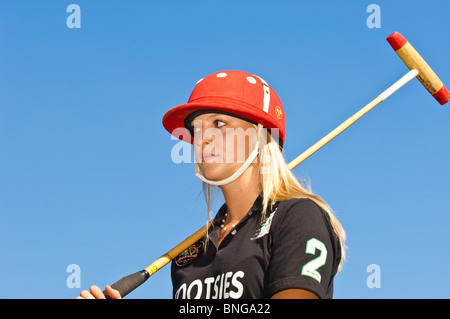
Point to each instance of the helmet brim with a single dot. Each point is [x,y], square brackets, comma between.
[174,119]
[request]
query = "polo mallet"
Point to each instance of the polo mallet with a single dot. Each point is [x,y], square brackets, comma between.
[418,68]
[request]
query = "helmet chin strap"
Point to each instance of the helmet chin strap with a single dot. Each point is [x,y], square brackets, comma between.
[236,174]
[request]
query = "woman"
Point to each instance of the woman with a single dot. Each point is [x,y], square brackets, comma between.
[272,238]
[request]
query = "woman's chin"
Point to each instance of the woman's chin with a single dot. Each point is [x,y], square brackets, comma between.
[215,173]
[213,176]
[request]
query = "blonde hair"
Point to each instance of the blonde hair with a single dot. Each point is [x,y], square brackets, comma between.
[278,183]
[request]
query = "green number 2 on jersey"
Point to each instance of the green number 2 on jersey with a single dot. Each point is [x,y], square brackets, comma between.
[310,268]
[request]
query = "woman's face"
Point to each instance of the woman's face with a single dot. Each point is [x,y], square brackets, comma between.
[222,143]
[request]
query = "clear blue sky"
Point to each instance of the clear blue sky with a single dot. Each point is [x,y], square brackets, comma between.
[86,176]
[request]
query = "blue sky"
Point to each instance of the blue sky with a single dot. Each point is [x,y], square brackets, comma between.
[86,176]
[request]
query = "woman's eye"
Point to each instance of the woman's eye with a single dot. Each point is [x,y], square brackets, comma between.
[219,123]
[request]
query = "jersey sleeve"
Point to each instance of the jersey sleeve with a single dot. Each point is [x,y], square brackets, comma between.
[304,251]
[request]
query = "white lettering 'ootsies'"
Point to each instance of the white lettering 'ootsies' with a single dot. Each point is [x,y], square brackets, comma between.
[223,286]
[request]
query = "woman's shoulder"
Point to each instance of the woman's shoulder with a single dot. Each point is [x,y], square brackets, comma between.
[299,205]
[303,211]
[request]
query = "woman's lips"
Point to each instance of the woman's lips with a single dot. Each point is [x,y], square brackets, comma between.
[208,157]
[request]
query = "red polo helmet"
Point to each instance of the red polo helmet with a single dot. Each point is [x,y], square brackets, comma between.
[235,93]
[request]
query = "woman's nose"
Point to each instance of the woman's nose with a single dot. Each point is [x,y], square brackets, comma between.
[203,138]
[203,134]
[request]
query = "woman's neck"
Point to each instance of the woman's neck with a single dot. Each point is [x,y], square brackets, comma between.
[241,194]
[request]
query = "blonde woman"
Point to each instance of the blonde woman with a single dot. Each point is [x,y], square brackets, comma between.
[272,238]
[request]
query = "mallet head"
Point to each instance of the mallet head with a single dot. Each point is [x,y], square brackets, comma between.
[413,60]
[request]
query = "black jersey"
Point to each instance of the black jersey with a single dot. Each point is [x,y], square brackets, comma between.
[294,247]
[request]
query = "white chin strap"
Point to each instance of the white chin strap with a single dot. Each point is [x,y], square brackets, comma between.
[236,174]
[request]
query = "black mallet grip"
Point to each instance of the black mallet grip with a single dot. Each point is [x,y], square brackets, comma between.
[129,283]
